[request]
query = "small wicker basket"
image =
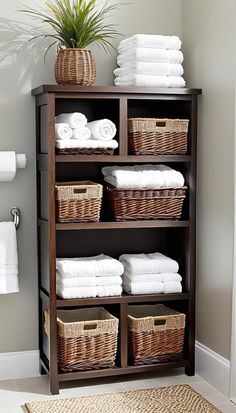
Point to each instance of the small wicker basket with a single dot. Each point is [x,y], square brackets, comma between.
[145,204]
[85,151]
[75,67]
[86,338]
[154,136]
[156,334]
[78,201]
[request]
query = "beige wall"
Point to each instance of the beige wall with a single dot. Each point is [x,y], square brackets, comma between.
[209,47]
[18,312]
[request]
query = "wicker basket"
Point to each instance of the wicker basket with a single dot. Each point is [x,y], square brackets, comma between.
[146,204]
[153,136]
[78,201]
[156,334]
[86,338]
[75,67]
[85,151]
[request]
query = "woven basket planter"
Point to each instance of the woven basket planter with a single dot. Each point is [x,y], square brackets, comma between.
[145,204]
[75,67]
[154,136]
[78,201]
[85,151]
[86,338]
[156,334]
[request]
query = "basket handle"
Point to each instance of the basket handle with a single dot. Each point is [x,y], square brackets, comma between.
[80,190]
[161,124]
[159,322]
[90,326]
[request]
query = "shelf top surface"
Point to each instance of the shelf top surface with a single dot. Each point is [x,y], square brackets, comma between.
[119,90]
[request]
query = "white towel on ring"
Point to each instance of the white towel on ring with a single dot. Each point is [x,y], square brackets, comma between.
[109,290]
[172,287]
[76,292]
[162,277]
[149,68]
[86,143]
[102,129]
[63,131]
[74,120]
[142,54]
[65,281]
[8,259]
[143,288]
[150,40]
[150,81]
[81,133]
[154,263]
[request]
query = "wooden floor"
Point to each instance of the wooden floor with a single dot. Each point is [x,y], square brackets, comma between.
[15,393]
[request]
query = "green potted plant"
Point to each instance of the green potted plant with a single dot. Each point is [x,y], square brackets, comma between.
[75,25]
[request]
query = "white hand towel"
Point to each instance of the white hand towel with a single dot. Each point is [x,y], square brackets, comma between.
[109,291]
[102,129]
[8,259]
[172,287]
[150,81]
[76,292]
[89,143]
[152,277]
[74,120]
[142,54]
[63,131]
[87,281]
[143,288]
[97,266]
[150,68]
[81,133]
[154,263]
[150,40]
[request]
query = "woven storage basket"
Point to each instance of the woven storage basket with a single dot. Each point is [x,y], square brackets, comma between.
[75,67]
[86,338]
[154,136]
[78,201]
[145,204]
[85,151]
[156,334]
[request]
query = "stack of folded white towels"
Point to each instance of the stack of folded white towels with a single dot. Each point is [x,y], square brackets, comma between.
[150,274]
[150,60]
[143,177]
[74,131]
[98,276]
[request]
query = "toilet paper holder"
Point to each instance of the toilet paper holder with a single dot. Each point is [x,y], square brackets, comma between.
[15,213]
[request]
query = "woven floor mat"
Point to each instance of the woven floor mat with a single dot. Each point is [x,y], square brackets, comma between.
[176,399]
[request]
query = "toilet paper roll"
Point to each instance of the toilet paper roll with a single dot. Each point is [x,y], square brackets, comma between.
[9,162]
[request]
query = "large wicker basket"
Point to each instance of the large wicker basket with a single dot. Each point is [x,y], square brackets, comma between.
[78,201]
[156,334]
[75,67]
[145,204]
[154,136]
[86,338]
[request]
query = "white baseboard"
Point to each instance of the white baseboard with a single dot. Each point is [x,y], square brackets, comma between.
[19,365]
[213,368]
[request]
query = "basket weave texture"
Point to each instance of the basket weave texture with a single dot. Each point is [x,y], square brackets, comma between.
[75,67]
[87,338]
[146,204]
[78,201]
[155,136]
[85,151]
[156,333]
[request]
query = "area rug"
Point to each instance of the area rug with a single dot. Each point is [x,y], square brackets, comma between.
[176,399]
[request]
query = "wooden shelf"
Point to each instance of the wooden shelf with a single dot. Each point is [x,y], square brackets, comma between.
[121,225]
[123,159]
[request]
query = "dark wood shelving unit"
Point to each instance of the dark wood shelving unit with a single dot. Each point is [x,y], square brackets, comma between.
[175,238]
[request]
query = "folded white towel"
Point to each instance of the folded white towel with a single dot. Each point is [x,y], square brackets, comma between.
[63,131]
[149,68]
[8,259]
[65,281]
[97,266]
[76,292]
[154,263]
[172,287]
[81,133]
[150,81]
[89,143]
[142,54]
[102,129]
[74,120]
[109,291]
[150,40]
[152,277]
[143,288]
[143,177]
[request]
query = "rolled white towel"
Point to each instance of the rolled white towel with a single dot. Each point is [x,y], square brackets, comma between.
[74,120]
[150,40]
[76,292]
[102,129]
[150,81]
[81,133]
[65,281]
[143,288]
[109,291]
[152,277]
[172,287]
[154,263]
[87,143]
[143,54]
[63,131]
[150,68]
